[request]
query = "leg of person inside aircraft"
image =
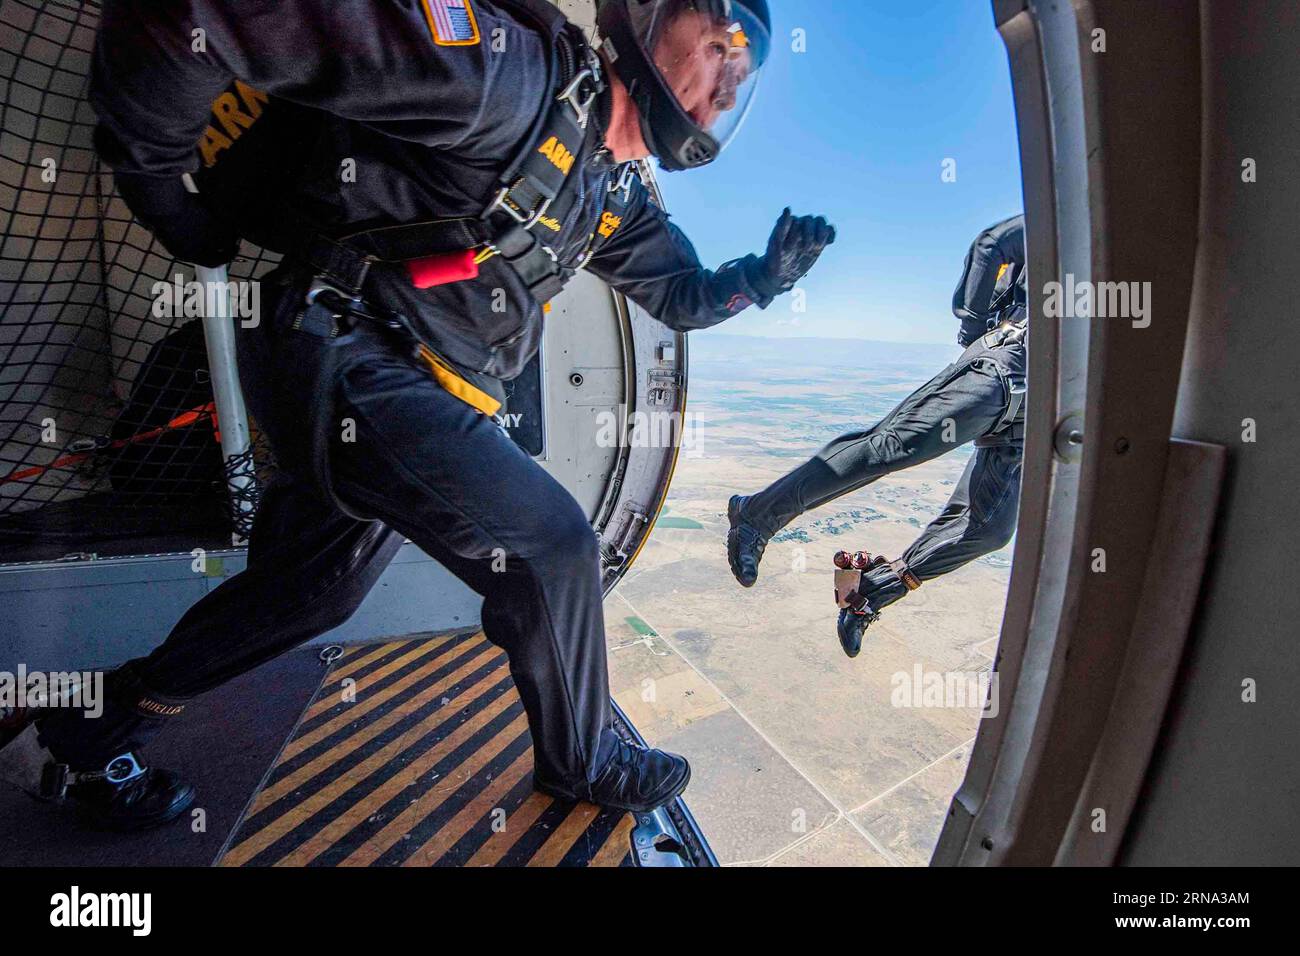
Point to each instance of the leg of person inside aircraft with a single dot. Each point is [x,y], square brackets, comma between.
[309,567]
[458,487]
[961,403]
[980,518]
[431,467]
[425,465]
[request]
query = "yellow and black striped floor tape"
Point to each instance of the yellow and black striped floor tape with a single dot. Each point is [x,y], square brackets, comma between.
[417,753]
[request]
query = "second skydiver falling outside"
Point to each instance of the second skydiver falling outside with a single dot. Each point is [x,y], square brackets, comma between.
[978,397]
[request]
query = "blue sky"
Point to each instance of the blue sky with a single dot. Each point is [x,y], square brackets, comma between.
[857,129]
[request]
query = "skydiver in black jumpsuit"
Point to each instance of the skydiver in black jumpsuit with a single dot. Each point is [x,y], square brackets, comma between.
[431,105]
[978,397]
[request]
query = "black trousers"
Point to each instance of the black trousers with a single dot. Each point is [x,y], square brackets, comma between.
[419,464]
[964,402]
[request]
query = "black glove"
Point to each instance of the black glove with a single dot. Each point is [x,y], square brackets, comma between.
[177,218]
[794,246]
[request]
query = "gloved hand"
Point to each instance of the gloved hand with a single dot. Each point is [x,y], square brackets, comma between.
[795,244]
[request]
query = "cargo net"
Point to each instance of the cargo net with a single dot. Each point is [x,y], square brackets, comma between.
[107,423]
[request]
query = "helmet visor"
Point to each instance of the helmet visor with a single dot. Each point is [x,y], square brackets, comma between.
[709,54]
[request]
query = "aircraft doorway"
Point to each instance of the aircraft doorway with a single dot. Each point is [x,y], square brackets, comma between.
[804,756]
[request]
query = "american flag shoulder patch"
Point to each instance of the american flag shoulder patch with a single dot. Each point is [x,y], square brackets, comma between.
[452,22]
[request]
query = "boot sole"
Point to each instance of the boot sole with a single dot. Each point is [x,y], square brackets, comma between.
[674,792]
[132,825]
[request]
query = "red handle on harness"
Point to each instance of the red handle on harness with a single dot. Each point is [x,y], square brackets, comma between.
[443,268]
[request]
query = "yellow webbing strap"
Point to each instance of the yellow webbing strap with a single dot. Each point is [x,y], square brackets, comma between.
[451,380]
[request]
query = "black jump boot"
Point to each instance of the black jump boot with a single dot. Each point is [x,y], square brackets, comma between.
[745,544]
[637,779]
[855,612]
[853,624]
[861,572]
[95,761]
[123,795]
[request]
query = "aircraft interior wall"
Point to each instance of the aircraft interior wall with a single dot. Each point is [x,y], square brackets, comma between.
[1216,788]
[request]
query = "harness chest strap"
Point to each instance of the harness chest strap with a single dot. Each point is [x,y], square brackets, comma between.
[530,188]
[342,268]
[473,242]
[540,180]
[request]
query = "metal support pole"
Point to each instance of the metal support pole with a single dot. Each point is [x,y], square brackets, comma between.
[232,416]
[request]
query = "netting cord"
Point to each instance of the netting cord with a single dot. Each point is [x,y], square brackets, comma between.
[245,493]
[206,412]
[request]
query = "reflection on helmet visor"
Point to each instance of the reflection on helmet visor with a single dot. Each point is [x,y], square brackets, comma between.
[708,61]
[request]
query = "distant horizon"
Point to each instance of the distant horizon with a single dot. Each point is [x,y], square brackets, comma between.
[721,356]
[712,334]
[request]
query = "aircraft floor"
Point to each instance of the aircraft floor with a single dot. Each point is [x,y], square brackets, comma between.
[417,753]
[223,743]
[413,753]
